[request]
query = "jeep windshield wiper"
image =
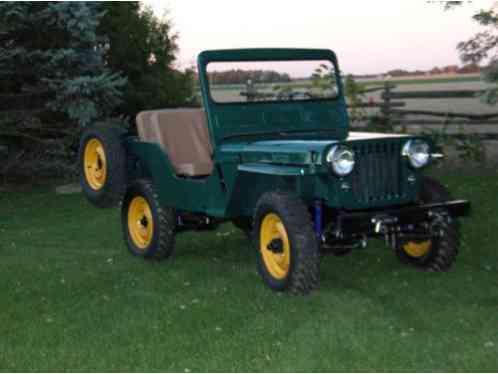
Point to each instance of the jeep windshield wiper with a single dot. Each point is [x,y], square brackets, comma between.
[276,133]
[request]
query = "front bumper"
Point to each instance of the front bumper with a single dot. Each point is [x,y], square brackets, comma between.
[367,222]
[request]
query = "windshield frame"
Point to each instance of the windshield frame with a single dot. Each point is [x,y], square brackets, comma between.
[264,54]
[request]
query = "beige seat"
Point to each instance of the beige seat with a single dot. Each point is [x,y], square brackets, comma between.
[184,136]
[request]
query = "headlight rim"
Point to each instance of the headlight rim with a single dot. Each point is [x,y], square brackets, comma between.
[407,152]
[331,159]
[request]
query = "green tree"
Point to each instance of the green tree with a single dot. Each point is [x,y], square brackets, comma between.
[142,46]
[53,76]
[355,95]
[482,48]
[323,78]
[52,49]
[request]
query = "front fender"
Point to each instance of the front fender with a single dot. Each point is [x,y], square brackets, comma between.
[252,180]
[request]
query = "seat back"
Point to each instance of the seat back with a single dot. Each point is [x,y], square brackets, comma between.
[183,134]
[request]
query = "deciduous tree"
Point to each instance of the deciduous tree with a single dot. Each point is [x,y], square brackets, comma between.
[143,47]
[482,48]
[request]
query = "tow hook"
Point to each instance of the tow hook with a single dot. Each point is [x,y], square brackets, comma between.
[383,222]
[385,225]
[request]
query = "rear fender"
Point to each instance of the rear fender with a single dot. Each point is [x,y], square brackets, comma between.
[193,195]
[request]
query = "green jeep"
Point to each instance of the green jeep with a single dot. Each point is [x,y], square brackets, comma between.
[271,151]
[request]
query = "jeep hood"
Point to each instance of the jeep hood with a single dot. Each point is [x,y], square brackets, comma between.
[295,152]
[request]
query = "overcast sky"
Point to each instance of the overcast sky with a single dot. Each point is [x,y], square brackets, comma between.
[368,36]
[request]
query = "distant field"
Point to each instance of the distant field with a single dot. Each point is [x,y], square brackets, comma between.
[425,80]
[470,82]
[370,82]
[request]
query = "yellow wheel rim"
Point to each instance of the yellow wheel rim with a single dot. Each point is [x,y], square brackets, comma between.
[274,246]
[95,164]
[140,222]
[415,249]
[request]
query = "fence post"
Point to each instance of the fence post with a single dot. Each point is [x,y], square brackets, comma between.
[386,108]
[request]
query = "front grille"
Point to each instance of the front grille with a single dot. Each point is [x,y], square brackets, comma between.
[377,173]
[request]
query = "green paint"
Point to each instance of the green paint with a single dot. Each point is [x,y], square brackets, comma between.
[229,120]
[261,147]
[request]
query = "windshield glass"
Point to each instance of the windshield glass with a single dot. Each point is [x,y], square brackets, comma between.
[268,81]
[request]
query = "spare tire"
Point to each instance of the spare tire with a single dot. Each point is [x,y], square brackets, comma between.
[102,160]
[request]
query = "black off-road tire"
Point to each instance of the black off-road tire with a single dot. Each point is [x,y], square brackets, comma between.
[303,275]
[163,239]
[444,248]
[111,193]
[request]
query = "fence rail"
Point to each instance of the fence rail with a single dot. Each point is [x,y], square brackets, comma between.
[380,105]
[392,116]
[459,94]
[472,117]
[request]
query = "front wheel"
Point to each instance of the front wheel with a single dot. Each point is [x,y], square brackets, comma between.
[439,250]
[149,229]
[287,249]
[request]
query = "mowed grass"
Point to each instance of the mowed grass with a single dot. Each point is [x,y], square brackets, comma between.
[73,299]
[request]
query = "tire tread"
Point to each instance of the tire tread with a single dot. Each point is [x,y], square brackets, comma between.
[164,225]
[447,246]
[114,189]
[304,275]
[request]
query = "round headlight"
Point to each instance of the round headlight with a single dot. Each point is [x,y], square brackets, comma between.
[341,160]
[417,152]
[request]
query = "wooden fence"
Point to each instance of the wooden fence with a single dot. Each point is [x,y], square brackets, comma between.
[393,112]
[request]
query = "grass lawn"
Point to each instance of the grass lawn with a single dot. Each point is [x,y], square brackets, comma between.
[73,299]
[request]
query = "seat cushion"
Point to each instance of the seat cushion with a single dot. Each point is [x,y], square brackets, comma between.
[184,136]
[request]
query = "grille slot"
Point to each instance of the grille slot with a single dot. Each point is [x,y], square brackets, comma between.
[376,176]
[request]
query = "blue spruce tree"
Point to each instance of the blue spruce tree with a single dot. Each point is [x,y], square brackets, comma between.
[52,76]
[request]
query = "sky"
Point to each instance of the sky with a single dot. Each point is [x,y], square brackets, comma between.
[369,37]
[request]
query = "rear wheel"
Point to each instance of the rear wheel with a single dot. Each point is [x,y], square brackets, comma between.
[287,249]
[149,229]
[102,160]
[439,249]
